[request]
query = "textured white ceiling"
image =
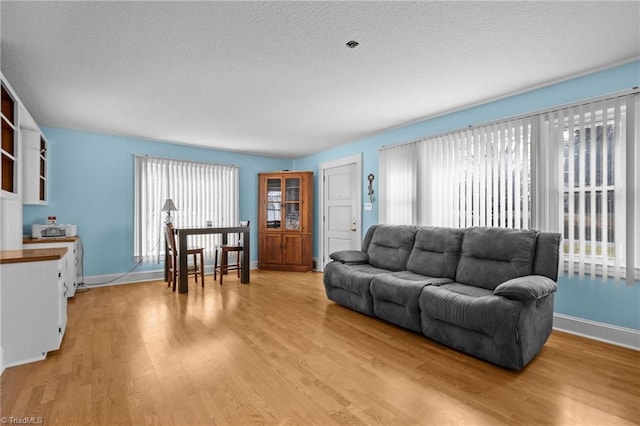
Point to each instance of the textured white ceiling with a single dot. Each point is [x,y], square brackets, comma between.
[276,79]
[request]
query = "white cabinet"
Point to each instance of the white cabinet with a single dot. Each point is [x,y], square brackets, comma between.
[10,169]
[71,263]
[33,308]
[23,171]
[34,166]
[9,152]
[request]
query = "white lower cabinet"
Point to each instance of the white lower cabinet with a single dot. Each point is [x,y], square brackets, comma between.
[33,310]
[70,263]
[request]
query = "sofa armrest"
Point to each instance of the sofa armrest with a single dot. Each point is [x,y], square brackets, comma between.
[524,289]
[353,257]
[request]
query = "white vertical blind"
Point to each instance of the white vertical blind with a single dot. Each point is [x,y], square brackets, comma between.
[398,170]
[571,170]
[201,191]
[597,234]
[475,177]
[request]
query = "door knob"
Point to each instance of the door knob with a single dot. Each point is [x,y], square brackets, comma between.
[353,226]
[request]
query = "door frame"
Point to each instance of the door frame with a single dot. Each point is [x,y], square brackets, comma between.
[354,159]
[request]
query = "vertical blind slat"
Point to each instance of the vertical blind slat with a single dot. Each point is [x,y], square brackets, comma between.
[632,188]
[570,190]
[617,199]
[497,178]
[517,178]
[468,178]
[604,204]
[525,180]
[581,193]
[456,185]
[593,187]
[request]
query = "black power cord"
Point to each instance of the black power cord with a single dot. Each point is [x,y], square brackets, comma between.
[140,262]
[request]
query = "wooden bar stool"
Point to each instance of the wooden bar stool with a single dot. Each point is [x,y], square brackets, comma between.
[172,259]
[225,249]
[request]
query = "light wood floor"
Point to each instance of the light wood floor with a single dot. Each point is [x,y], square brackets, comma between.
[277,351]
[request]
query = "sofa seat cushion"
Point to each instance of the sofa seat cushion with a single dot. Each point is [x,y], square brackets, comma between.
[349,285]
[355,278]
[402,287]
[491,256]
[395,297]
[469,307]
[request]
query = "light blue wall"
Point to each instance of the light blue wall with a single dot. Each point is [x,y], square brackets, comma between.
[89,172]
[603,301]
[609,303]
[91,185]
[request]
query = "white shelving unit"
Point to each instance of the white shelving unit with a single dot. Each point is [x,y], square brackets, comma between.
[9,153]
[10,169]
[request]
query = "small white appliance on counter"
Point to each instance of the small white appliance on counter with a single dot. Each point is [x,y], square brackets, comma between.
[53,231]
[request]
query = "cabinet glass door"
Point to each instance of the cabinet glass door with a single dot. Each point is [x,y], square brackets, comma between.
[292,215]
[274,203]
[292,204]
[292,186]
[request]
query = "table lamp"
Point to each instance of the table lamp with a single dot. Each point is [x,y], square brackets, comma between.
[168,207]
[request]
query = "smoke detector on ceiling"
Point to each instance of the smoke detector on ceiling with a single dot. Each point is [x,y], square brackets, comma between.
[352,44]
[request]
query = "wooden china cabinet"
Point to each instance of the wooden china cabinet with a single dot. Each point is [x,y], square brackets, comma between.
[285,222]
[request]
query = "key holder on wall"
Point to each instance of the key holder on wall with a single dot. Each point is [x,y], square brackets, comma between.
[371,177]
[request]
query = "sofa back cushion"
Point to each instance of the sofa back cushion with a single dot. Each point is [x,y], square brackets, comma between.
[491,256]
[390,246]
[436,252]
[547,255]
[368,237]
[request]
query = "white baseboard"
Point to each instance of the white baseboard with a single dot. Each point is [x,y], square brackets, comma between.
[136,277]
[619,336]
[117,279]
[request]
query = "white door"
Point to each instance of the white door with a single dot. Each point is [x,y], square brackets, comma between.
[341,208]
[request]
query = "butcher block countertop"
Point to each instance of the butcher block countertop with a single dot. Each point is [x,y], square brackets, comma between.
[27,239]
[31,255]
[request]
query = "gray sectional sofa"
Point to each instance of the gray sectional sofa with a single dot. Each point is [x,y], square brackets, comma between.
[484,291]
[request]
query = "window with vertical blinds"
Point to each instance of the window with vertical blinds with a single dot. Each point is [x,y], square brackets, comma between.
[570,170]
[202,192]
[597,190]
[477,177]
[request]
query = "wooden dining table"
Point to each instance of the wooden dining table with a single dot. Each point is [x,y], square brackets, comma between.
[183,234]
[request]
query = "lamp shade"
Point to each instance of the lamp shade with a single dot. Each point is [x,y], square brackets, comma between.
[169,206]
